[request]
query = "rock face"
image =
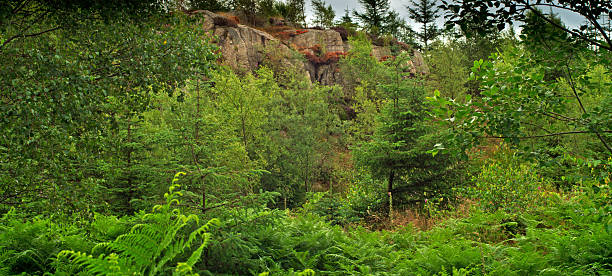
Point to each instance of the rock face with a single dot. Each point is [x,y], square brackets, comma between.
[245,48]
[328,39]
[316,43]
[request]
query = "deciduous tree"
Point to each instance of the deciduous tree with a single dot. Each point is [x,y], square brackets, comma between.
[484,14]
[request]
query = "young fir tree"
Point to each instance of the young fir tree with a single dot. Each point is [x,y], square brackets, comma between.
[424,12]
[324,14]
[397,151]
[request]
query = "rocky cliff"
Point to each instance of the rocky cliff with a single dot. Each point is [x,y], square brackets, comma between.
[247,48]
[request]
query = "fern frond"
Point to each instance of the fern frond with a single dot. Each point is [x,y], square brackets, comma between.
[148,247]
[195,256]
[109,265]
[6,257]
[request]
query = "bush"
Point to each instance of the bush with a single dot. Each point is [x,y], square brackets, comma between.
[226,21]
[327,58]
[366,196]
[509,184]
[331,207]
[211,5]
[344,33]
[333,57]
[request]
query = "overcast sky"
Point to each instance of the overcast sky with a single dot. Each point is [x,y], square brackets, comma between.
[339,6]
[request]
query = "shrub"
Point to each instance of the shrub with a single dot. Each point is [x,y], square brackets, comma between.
[229,16]
[344,34]
[404,46]
[284,35]
[328,58]
[378,40]
[509,184]
[277,21]
[366,196]
[385,58]
[311,57]
[332,57]
[284,32]
[226,21]
[210,5]
[316,49]
[330,207]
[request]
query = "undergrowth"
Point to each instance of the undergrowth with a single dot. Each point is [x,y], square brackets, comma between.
[568,233]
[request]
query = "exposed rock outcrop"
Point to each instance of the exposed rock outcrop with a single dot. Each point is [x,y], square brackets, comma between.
[246,48]
[328,39]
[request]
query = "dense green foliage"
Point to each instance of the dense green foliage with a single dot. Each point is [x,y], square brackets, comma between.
[563,233]
[70,96]
[504,171]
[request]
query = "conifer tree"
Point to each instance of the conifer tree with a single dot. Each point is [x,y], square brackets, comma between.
[399,29]
[424,12]
[346,20]
[375,15]
[397,150]
[324,14]
[379,19]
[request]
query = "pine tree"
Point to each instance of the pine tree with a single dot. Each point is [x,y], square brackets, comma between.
[375,15]
[346,20]
[399,29]
[324,14]
[424,12]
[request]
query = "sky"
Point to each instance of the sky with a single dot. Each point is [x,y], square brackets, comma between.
[339,6]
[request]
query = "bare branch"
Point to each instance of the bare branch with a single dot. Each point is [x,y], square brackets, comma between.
[27,35]
[539,14]
[573,86]
[547,135]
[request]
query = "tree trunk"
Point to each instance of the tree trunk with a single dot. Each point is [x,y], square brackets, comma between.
[196,134]
[130,182]
[203,192]
[390,191]
[390,183]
